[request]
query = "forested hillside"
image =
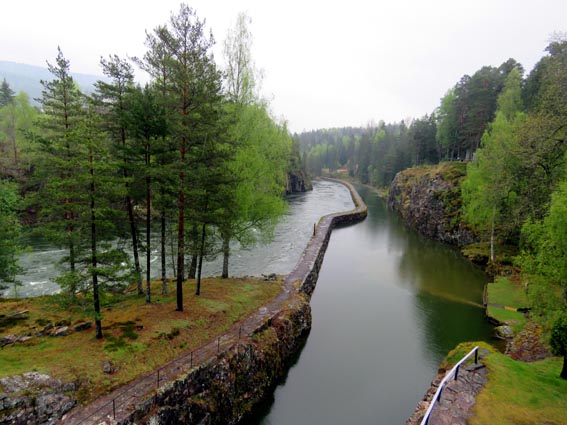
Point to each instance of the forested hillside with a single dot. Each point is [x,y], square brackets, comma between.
[452,132]
[511,129]
[26,78]
[193,156]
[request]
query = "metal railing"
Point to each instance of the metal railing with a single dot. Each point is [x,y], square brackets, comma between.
[151,382]
[453,372]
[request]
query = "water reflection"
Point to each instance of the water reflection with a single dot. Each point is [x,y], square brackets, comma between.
[388,307]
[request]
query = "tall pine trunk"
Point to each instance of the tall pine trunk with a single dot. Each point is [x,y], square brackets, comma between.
[135,242]
[163,254]
[180,244]
[94,260]
[181,209]
[194,256]
[201,254]
[148,225]
[226,254]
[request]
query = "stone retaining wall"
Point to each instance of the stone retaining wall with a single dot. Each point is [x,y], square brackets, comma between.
[224,388]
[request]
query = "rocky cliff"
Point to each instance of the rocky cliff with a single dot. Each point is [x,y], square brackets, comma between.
[429,200]
[297,181]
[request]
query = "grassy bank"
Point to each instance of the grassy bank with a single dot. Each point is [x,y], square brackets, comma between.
[505,296]
[138,337]
[517,393]
[522,393]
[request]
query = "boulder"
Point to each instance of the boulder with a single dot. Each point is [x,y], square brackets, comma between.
[8,339]
[504,332]
[81,327]
[61,331]
[109,368]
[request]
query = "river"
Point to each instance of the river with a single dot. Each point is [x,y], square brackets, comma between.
[388,306]
[41,263]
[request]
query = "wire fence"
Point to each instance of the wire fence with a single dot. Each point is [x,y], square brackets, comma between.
[122,404]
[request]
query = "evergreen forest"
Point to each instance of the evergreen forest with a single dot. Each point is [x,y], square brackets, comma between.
[193,156]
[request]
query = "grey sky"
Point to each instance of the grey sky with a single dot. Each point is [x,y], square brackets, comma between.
[326,63]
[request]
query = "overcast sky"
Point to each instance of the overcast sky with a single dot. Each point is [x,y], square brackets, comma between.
[326,63]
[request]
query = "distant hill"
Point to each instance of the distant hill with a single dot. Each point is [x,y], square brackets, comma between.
[22,77]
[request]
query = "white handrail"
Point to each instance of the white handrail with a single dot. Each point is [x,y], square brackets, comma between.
[454,371]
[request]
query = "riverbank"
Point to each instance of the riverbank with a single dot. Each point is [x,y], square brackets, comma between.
[428,199]
[55,338]
[238,368]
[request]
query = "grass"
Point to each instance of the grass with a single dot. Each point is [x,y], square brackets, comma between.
[519,393]
[138,337]
[514,319]
[508,293]
[462,350]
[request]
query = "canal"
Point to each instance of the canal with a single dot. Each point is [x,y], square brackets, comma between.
[388,306]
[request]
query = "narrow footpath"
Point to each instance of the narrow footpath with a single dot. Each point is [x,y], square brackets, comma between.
[457,399]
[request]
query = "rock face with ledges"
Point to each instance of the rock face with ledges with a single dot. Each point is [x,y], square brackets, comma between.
[428,198]
[34,398]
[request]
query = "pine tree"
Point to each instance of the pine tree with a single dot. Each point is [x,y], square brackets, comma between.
[113,95]
[181,62]
[7,95]
[59,147]
[10,230]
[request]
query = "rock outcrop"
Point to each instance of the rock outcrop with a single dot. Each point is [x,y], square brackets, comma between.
[34,398]
[297,181]
[428,198]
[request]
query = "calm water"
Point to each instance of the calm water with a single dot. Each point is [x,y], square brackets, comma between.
[280,256]
[388,306]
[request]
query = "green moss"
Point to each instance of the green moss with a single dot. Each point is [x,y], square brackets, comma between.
[462,350]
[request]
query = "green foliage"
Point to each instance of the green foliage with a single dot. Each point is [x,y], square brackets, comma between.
[558,339]
[16,120]
[10,230]
[6,94]
[492,186]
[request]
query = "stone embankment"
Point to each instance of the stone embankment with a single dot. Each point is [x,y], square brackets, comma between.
[238,369]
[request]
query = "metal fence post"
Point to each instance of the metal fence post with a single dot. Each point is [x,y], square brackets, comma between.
[191,366]
[158,378]
[113,409]
[218,345]
[476,356]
